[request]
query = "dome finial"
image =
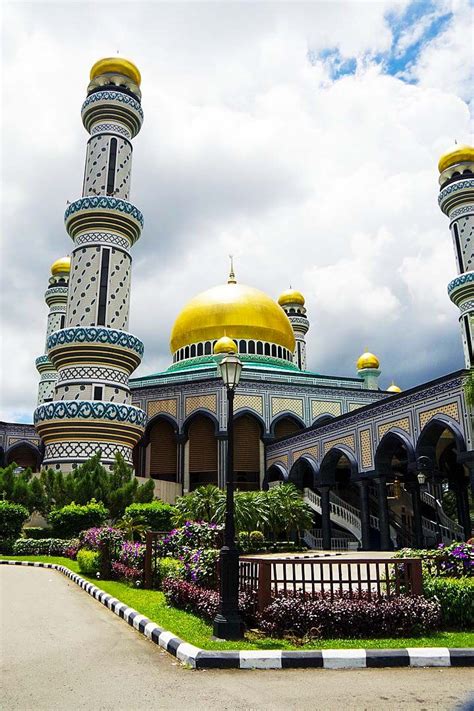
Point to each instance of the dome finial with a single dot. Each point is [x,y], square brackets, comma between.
[231,279]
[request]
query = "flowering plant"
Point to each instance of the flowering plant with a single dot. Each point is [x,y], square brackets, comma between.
[96,538]
[129,573]
[132,555]
[193,535]
[454,560]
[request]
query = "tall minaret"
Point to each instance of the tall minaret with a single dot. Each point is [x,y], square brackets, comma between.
[368,368]
[94,355]
[56,299]
[456,200]
[292,302]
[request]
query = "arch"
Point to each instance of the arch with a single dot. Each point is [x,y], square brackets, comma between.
[202,450]
[162,455]
[24,454]
[192,351]
[275,473]
[198,413]
[242,346]
[330,463]
[322,419]
[259,348]
[274,350]
[200,349]
[285,424]
[207,348]
[389,457]
[186,352]
[279,352]
[432,431]
[248,450]
[252,347]
[303,473]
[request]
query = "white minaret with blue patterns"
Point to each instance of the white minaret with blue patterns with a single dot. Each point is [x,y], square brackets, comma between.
[94,354]
[456,200]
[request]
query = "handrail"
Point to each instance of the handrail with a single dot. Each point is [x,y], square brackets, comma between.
[445,520]
[337,500]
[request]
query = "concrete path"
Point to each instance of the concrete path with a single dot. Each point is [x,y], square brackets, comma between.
[61,649]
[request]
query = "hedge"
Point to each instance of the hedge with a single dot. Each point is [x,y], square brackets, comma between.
[156,515]
[12,518]
[204,602]
[37,532]
[44,546]
[72,519]
[456,597]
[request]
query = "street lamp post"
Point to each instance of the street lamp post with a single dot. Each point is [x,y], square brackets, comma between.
[227,623]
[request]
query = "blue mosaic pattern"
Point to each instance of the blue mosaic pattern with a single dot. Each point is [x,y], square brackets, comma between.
[42,359]
[461,185]
[463,279]
[95,335]
[113,96]
[90,410]
[104,202]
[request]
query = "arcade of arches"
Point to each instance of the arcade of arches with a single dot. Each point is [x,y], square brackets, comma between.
[394,510]
[196,457]
[23,455]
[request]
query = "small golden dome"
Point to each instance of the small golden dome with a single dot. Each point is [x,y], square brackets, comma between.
[237,310]
[291,296]
[368,360]
[225,345]
[394,388]
[116,65]
[61,266]
[458,154]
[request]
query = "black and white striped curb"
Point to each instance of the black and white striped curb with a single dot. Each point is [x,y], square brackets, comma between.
[266,659]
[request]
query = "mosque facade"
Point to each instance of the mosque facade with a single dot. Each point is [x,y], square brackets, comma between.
[372,463]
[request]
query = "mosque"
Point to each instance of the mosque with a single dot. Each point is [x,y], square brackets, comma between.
[373,464]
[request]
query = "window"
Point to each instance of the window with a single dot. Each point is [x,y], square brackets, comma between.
[193,351]
[260,348]
[279,352]
[104,278]
[112,162]
[243,346]
[200,349]
[252,347]
[98,392]
[207,348]
[458,247]
[186,352]
[61,323]
[274,350]
[267,349]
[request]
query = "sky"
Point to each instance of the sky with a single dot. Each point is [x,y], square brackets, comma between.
[303,138]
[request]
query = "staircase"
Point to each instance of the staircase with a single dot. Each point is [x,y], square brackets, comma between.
[450,530]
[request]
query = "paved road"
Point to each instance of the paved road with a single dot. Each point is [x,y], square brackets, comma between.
[62,649]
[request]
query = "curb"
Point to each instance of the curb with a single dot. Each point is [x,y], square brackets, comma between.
[265,659]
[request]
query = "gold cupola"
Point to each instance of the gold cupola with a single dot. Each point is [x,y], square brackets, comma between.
[291,296]
[116,65]
[458,154]
[225,345]
[368,360]
[233,309]
[61,266]
[394,388]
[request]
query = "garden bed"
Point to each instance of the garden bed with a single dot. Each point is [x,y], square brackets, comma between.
[196,631]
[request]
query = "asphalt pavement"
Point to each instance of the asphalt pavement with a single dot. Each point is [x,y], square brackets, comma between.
[61,649]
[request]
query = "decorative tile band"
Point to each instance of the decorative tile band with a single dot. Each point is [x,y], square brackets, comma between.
[85,410]
[112,96]
[262,658]
[93,334]
[455,187]
[104,203]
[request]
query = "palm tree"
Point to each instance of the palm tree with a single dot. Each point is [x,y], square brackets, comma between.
[132,526]
[203,504]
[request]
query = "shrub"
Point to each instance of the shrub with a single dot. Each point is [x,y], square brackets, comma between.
[97,538]
[192,536]
[88,561]
[454,560]
[132,555]
[12,518]
[310,617]
[41,546]
[129,574]
[6,545]
[36,532]
[72,519]
[200,601]
[156,515]
[200,566]
[168,568]
[456,597]
[251,542]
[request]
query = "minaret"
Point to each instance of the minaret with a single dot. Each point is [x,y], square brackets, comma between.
[368,368]
[292,302]
[56,299]
[456,200]
[94,355]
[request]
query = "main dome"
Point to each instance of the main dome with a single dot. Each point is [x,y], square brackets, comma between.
[232,310]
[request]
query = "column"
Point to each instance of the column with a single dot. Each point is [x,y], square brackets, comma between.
[414,490]
[363,485]
[384,520]
[326,517]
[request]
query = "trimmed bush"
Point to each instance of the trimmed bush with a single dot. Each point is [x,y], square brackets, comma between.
[203,602]
[42,546]
[155,516]
[96,539]
[88,561]
[320,617]
[129,574]
[12,518]
[456,597]
[169,568]
[72,519]
[37,533]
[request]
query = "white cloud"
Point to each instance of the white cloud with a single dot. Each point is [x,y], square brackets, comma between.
[248,149]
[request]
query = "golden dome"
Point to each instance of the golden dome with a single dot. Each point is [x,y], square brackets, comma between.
[458,154]
[368,360]
[61,266]
[116,65]
[394,388]
[291,296]
[225,345]
[236,310]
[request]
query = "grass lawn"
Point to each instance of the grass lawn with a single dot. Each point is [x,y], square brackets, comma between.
[193,629]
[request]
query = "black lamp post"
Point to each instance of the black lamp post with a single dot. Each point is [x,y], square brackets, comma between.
[227,623]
